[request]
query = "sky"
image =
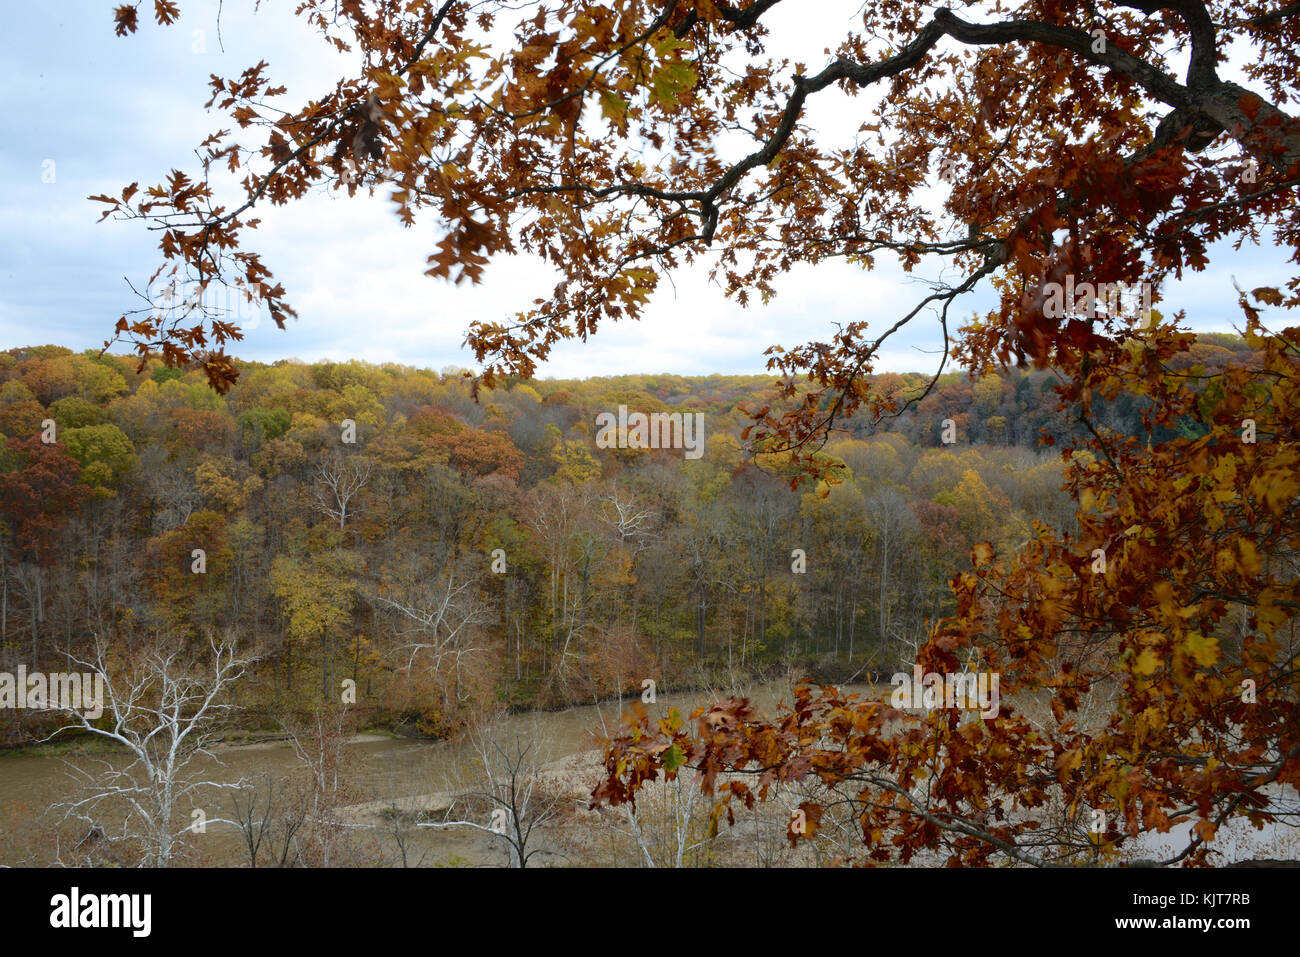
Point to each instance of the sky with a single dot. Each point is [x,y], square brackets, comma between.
[88,112]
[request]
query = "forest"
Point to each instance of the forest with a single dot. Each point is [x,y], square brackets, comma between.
[374,559]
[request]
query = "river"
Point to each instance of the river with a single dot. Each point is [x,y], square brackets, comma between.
[376,770]
[422,776]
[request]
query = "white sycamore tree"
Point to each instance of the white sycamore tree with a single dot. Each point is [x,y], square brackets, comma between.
[162,709]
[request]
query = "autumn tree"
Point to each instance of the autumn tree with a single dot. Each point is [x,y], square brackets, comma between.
[39,493]
[20,413]
[187,569]
[1072,143]
[316,592]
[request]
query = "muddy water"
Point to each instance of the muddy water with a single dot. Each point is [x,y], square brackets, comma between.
[379,770]
[375,769]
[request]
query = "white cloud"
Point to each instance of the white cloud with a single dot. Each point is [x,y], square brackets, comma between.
[111,109]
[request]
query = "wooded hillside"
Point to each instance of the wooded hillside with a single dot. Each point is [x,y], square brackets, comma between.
[374,559]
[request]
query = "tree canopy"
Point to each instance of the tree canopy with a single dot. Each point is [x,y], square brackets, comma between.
[620,141]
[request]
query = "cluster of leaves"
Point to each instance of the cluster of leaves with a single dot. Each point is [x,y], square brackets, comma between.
[620,141]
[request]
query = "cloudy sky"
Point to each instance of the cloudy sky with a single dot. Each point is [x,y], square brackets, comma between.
[93,112]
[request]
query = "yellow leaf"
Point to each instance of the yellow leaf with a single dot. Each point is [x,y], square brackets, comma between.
[1250,563]
[1225,470]
[1268,615]
[1205,649]
[1146,663]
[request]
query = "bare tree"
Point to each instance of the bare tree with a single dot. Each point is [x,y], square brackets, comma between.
[518,797]
[270,819]
[319,741]
[442,615]
[666,825]
[629,521]
[164,710]
[171,486]
[398,820]
[338,481]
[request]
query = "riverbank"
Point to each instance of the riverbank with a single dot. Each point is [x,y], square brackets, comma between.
[261,726]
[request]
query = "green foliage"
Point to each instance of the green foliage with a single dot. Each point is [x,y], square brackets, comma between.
[105,453]
[72,412]
[258,426]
